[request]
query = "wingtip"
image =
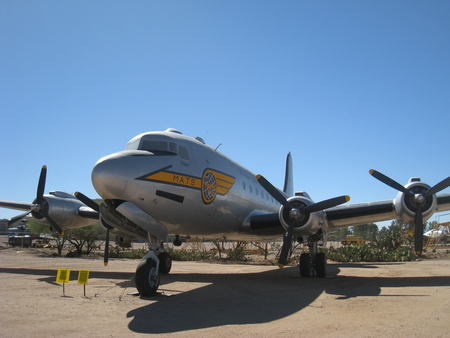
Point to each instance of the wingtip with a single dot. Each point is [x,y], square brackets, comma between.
[347,198]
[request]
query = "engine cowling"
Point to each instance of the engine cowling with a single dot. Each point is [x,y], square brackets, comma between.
[405,206]
[63,209]
[308,223]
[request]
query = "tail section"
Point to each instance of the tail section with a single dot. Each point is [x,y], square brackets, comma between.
[289,177]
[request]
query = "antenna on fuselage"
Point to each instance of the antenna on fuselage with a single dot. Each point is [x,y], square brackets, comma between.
[218,147]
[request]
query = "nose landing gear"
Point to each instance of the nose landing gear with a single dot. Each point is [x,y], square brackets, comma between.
[155,262]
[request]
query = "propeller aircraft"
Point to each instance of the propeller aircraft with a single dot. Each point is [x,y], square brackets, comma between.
[166,183]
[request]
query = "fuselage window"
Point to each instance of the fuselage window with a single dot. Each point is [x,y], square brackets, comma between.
[183,153]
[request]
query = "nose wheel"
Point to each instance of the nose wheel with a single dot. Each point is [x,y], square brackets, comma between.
[147,277]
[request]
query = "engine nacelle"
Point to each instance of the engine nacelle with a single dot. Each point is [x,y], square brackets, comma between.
[307,224]
[62,208]
[405,205]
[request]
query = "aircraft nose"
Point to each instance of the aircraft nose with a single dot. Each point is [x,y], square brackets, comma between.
[112,176]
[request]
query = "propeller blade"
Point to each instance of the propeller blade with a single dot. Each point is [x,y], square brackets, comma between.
[106,254]
[54,225]
[390,182]
[273,191]
[329,203]
[41,185]
[17,218]
[287,242]
[438,187]
[418,230]
[86,200]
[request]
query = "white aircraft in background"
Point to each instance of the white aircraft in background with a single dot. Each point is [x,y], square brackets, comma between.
[168,183]
[439,235]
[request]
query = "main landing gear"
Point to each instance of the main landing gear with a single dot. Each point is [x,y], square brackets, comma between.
[314,262]
[155,262]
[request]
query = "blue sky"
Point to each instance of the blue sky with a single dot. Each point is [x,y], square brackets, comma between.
[346,86]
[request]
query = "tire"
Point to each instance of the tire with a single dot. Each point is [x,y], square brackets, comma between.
[147,278]
[321,264]
[165,262]
[305,265]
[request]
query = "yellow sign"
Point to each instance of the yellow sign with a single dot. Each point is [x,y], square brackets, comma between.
[63,276]
[83,276]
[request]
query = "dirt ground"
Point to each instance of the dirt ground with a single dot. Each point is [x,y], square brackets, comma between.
[222,300]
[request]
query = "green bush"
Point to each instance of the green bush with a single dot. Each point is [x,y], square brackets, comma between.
[237,254]
[130,254]
[370,253]
[183,255]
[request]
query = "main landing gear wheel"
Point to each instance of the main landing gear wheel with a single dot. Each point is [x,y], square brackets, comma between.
[321,264]
[165,262]
[147,278]
[305,265]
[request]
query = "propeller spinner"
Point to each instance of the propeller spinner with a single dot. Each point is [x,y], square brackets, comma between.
[296,215]
[418,198]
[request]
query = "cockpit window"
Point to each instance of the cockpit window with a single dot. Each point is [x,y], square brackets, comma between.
[173,147]
[133,144]
[151,145]
[158,147]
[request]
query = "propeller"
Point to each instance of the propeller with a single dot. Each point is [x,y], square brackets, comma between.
[296,215]
[91,204]
[419,199]
[39,207]
[17,218]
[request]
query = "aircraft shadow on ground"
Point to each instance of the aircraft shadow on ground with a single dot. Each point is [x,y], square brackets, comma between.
[253,298]
[50,274]
[242,298]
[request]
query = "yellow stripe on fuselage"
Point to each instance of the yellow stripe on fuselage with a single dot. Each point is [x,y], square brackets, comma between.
[174,178]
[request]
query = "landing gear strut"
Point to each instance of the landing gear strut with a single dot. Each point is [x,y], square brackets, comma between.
[156,261]
[313,262]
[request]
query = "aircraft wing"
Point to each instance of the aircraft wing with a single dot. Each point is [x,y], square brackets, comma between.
[360,213]
[372,212]
[15,205]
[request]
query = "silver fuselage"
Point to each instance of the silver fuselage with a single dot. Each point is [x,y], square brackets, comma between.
[185,185]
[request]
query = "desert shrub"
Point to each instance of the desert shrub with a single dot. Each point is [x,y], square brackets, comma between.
[371,253]
[237,254]
[130,254]
[183,255]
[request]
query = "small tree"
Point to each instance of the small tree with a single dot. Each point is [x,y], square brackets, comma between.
[42,229]
[80,237]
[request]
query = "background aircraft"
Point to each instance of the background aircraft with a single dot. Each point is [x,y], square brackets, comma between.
[168,183]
